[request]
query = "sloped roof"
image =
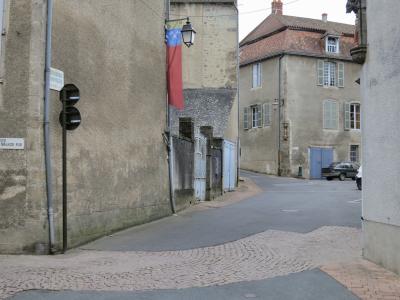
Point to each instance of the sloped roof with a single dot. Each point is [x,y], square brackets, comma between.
[274,23]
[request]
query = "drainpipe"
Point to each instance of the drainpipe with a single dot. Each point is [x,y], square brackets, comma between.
[279,114]
[170,142]
[238,98]
[47,141]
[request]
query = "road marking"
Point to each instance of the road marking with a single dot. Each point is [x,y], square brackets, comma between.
[354,201]
[290,210]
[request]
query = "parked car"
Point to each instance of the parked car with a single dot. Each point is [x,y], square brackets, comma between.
[341,170]
[359,179]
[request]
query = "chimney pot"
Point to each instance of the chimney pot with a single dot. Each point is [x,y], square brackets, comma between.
[325,17]
[277,7]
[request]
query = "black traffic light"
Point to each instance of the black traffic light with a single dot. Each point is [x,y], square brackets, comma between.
[69,96]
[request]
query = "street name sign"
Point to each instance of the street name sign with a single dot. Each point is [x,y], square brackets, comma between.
[56,79]
[12,144]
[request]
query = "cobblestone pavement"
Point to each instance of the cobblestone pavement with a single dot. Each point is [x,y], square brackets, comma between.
[366,280]
[261,256]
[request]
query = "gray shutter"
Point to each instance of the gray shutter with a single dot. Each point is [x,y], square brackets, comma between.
[347,116]
[320,72]
[266,114]
[334,115]
[259,116]
[327,114]
[246,118]
[340,74]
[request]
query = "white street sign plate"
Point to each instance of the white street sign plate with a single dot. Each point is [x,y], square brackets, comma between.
[12,144]
[56,79]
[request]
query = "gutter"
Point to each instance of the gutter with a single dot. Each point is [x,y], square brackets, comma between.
[47,140]
[169,128]
[279,113]
[238,146]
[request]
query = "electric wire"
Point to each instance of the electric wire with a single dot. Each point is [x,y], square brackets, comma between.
[213,16]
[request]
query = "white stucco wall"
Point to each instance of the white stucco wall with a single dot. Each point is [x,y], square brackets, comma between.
[381,139]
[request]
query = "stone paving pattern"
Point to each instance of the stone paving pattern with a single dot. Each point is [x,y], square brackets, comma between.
[366,280]
[261,256]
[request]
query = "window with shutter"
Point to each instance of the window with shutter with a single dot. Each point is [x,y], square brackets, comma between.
[347,116]
[340,74]
[266,114]
[246,118]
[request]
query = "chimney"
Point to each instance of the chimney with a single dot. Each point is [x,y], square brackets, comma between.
[325,17]
[277,7]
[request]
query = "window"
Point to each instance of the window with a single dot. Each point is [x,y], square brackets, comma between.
[354,153]
[255,116]
[252,117]
[352,116]
[330,116]
[256,75]
[332,44]
[330,73]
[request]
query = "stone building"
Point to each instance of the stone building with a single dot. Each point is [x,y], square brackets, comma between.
[378,36]
[210,80]
[117,158]
[299,102]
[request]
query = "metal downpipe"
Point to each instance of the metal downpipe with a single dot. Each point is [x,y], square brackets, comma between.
[47,140]
[170,141]
[279,114]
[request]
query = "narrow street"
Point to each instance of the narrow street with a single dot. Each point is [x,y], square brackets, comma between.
[275,238]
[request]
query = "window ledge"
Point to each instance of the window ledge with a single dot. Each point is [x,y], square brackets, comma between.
[256,88]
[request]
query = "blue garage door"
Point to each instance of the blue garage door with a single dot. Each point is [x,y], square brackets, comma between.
[319,158]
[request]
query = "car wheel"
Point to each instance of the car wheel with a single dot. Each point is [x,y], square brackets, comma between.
[329,178]
[342,177]
[353,178]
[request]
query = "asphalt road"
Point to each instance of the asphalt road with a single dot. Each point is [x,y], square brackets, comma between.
[285,204]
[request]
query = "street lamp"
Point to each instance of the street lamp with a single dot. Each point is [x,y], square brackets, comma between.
[188,33]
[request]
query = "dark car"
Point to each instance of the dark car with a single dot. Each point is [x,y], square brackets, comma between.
[341,170]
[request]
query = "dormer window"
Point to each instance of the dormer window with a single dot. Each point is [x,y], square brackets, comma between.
[332,44]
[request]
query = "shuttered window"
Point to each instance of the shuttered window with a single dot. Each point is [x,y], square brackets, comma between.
[266,114]
[352,116]
[330,73]
[330,117]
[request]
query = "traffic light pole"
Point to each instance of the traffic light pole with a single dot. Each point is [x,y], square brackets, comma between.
[64,175]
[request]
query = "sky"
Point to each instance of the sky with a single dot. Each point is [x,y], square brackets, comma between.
[253,12]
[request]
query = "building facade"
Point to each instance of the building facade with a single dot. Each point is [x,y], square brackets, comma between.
[117,158]
[378,35]
[300,105]
[210,81]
